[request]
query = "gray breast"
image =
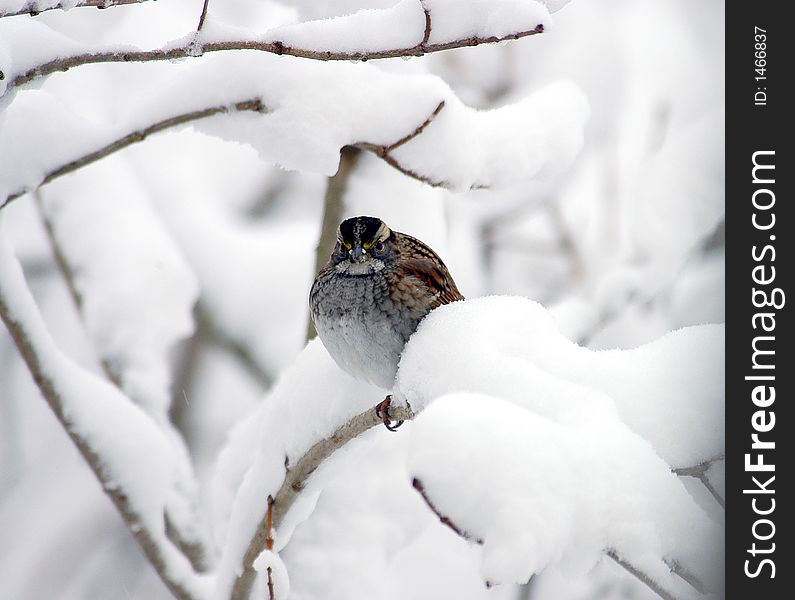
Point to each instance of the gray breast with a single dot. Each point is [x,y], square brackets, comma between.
[363,331]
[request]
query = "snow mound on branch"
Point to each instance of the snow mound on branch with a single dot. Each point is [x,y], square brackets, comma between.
[368,30]
[538,492]
[310,401]
[670,391]
[313,110]
[403,25]
[134,454]
[460,19]
[316,109]
[268,564]
[137,291]
[26,43]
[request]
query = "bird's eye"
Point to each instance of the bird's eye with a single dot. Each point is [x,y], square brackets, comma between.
[379,247]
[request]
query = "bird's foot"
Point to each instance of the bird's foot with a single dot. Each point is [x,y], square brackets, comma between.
[382,412]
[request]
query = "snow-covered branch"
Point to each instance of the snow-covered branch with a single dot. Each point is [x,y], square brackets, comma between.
[294,481]
[417,27]
[192,547]
[116,439]
[630,568]
[253,104]
[36,7]
[540,134]
[385,152]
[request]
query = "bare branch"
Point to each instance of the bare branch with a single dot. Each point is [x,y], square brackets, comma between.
[145,538]
[253,104]
[444,519]
[333,209]
[699,471]
[641,576]
[203,16]
[29,9]
[295,481]
[384,152]
[269,545]
[191,49]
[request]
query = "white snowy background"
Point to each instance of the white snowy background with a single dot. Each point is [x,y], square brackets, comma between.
[562,410]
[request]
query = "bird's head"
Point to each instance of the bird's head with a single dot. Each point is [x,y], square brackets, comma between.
[363,245]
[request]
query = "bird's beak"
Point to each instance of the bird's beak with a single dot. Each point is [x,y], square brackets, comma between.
[357,253]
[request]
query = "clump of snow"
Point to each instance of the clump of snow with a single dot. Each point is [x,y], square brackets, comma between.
[538,492]
[137,291]
[313,110]
[669,391]
[368,30]
[555,5]
[269,565]
[26,43]
[461,19]
[309,402]
[402,26]
[34,6]
[134,454]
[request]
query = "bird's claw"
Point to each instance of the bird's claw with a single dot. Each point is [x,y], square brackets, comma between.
[382,412]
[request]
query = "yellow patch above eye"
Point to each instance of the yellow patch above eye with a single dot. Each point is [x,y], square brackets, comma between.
[346,244]
[370,244]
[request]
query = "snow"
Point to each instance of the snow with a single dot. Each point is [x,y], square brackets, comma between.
[136,289]
[308,403]
[369,30]
[483,18]
[12,6]
[539,492]
[549,452]
[136,457]
[669,391]
[559,470]
[304,129]
[403,25]
[268,564]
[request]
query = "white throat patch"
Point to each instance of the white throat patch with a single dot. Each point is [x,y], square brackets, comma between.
[373,265]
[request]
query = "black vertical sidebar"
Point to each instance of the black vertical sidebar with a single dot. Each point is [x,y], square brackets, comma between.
[760,425]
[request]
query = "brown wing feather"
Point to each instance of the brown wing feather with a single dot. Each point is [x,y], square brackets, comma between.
[421,263]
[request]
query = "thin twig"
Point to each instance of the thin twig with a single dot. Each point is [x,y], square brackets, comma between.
[29,9]
[444,519]
[641,576]
[632,569]
[333,209]
[384,151]
[254,104]
[145,538]
[269,544]
[699,471]
[203,16]
[295,481]
[189,49]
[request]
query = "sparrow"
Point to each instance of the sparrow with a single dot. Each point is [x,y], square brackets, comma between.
[371,295]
